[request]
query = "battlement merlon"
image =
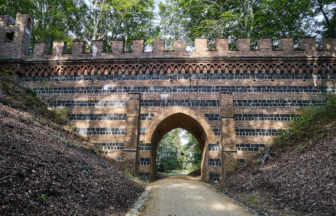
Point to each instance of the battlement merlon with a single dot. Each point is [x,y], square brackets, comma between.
[286,49]
[15,40]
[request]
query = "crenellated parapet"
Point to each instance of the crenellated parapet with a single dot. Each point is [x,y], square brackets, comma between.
[15,40]
[286,49]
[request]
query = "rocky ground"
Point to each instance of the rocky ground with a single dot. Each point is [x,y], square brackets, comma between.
[46,168]
[297,181]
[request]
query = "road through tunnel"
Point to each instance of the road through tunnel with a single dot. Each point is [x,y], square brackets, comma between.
[188,123]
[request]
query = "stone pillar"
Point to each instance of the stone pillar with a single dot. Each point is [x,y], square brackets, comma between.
[228,134]
[130,157]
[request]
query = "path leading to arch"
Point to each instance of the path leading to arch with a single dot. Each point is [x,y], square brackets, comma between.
[181,195]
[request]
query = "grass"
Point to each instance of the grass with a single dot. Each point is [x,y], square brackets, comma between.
[169,173]
[28,98]
[311,125]
[254,199]
[132,176]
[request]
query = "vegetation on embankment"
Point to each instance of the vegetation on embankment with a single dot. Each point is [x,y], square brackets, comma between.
[300,179]
[47,168]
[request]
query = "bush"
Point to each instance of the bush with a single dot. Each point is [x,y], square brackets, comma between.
[311,124]
[6,86]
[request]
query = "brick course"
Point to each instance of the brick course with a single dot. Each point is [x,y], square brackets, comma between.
[233,102]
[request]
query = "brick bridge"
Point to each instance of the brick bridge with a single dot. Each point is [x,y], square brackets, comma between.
[232,101]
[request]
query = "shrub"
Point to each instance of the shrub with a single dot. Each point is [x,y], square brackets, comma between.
[310,124]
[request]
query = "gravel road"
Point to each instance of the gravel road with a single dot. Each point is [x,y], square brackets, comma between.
[181,195]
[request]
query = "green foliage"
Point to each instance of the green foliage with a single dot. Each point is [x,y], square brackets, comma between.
[168,157]
[89,20]
[44,197]
[254,199]
[5,101]
[118,19]
[311,125]
[171,155]
[131,176]
[6,86]
[187,19]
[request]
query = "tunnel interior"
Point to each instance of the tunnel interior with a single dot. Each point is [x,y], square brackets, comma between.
[179,120]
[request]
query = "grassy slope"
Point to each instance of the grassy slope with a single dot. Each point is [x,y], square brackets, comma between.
[301,177]
[47,168]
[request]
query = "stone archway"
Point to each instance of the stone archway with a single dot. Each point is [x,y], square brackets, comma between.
[180,118]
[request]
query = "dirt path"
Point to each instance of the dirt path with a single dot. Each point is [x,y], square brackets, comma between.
[181,195]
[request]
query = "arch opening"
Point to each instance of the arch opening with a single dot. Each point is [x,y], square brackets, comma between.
[186,122]
[178,150]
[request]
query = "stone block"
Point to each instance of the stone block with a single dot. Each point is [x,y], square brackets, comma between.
[329,44]
[98,47]
[201,45]
[243,45]
[138,46]
[308,43]
[265,44]
[78,47]
[286,44]
[40,49]
[227,109]
[118,46]
[59,47]
[179,46]
[228,134]
[158,46]
[222,45]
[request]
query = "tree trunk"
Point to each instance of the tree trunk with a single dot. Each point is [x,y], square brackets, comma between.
[327,19]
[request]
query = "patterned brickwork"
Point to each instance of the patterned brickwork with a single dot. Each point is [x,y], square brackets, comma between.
[233,101]
[110,146]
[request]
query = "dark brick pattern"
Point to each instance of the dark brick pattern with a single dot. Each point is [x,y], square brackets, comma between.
[187,103]
[110,146]
[93,117]
[119,159]
[212,117]
[88,103]
[144,161]
[214,176]
[265,117]
[213,147]
[102,131]
[171,89]
[235,76]
[144,175]
[258,132]
[214,162]
[240,160]
[277,103]
[250,147]
[217,131]
[146,116]
[190,103]
[145,147]
[142,131]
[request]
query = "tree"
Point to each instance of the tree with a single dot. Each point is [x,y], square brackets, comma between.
[118,19]
[54,19]
[327,8]
[188,19]
[87,20]
[168,152]
[171,155]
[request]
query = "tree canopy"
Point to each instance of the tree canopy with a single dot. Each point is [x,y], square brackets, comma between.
[172,155]
[185,20]
[188,19]
[87,20]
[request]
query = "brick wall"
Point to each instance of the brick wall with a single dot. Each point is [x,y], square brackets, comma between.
[236,125]
[233,102]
